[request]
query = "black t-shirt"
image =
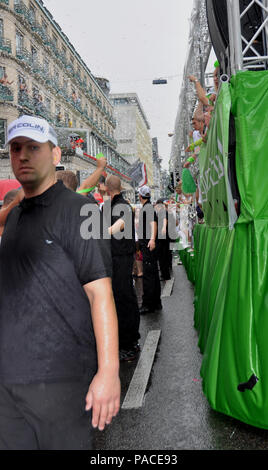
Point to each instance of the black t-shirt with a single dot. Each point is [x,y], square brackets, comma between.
[125,245]
[46,331]
[146,216]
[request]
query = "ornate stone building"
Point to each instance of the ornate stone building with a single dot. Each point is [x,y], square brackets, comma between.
[42,74]
[132,131]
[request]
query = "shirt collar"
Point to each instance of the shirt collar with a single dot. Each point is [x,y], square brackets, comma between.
[116,198]
[45,199]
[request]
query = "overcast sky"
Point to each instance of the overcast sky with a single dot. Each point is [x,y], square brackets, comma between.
[132,42]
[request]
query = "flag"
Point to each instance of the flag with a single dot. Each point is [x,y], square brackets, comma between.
[137,172]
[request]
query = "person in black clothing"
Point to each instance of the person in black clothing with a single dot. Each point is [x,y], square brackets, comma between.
[59,368]
[147,234]
[123,247]
[163,252]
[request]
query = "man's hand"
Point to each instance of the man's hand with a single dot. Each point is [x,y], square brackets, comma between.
[101,163]
[103,398]
[192,78]
[103,395]
[151,245]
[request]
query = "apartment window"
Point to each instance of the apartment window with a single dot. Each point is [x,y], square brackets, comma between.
[32,14]
[46,65]
[2,71]
[35,93]
[58,114]
[45,27]
[34,55]
[57,109]
[3,127]
[1,28]
[19,41]
[56,74]
[65,85]
[54,40]
[66,119]
[48,103]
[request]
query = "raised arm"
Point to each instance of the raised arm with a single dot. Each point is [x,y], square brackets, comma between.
[201,94]
[93,179]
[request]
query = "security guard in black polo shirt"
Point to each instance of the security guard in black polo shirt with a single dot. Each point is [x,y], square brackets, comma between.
[123,248]
[59,368]
[148,226]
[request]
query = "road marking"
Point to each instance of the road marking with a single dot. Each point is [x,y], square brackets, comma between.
[168,288]
[137,387]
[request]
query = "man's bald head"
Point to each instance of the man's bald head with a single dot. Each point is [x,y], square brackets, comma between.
[113,184]
[9,197]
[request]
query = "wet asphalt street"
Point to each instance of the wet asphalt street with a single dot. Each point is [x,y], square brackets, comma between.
[175,414]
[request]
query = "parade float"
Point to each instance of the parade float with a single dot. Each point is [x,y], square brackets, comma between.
[228,266]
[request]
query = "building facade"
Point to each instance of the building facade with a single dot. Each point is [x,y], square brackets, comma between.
[156,170]
[132,131]
[42,74]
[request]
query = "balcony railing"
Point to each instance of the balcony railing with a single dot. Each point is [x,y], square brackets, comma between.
[26,101]
[21,9]
[37,67]
[5,45]
[39,30]
[5,2]
[24,55]
[5,93]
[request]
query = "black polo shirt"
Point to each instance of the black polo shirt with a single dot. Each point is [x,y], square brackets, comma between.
[126,244]
[146,216]
[46,331]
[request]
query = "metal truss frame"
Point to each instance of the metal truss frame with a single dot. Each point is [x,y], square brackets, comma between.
[243,53]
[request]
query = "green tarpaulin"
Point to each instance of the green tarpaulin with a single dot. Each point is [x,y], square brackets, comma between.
[230,267]
[217,200]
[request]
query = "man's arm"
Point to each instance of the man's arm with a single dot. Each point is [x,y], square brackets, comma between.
[199,90]
[6,210]
[93,179]
[151,244]
[103,395]
[116,227]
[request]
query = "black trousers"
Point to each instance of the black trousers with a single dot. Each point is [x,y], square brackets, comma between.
[45,417]
[151,282]
[126,301]
[163,254]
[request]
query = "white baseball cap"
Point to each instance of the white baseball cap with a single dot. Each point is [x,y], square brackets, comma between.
[32,127]
[145,191]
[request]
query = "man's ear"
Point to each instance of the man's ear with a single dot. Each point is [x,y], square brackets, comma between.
[56,152]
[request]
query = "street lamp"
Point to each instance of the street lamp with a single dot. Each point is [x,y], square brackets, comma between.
[160,81]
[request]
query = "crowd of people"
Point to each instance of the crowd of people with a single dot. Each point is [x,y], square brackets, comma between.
[69,311]
[190,204]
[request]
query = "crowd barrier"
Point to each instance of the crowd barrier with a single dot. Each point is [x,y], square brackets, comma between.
[229,266]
